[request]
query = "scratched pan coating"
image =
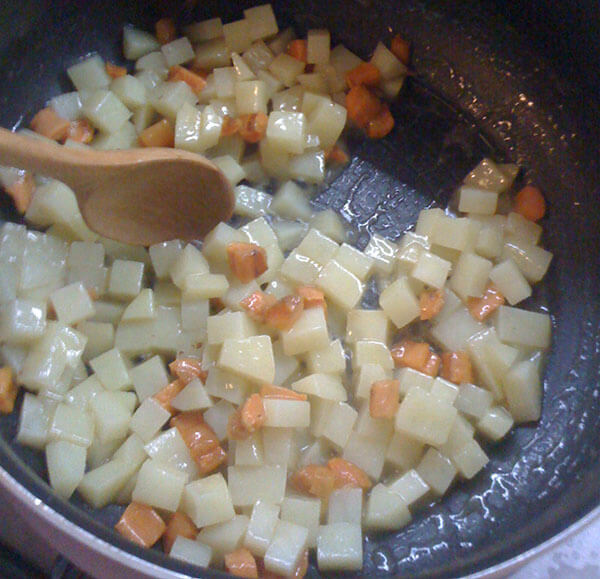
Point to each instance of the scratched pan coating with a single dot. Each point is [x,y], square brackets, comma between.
[514,85]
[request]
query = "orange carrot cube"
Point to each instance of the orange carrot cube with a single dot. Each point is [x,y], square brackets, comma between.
[141,524]
[8,390]
[298,49]
[483,307]
[115,71]
[410,354]
[253,127]
[253,413]
[285,312]
[165,395]
[165,30]
[347,474]
[314,480]
[280,393]
[186,369]
[384,398]
[432,366]
[195,81]
[363,106]
[160,134]
[47,123]
[380,125]
[179,525]
[456,367]
[80,131]
[401,49]
[246,260]
[241,563]
[365,73]
[431,303]
[257,304]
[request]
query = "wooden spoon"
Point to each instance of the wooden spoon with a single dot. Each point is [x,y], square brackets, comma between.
[137,196]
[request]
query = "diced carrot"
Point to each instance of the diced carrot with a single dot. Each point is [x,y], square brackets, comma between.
[384,399]
[253,127]
[410,354]
[347,474]
[186,369]
[241,563]
[431,303]
[165,30]
[8,390]
[200,439]
[141,524]
[253,414]
[160,134]
[401,49]
[47,123]
[365,73]
[165,395]
[280,393]
[363,106]
[530,203]
[285,312]
[302,566]
[314,480]
[337,155]
[257,304]
[22,191]
[230,126]
[432,366]
[115,71]
[195,81]
[298,49]
[179,525]
[313,297]
[246,260]
[235,427]
[456,367]
[80,131]
[483,307]
[381,125]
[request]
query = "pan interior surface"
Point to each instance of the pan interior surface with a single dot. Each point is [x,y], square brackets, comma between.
[482,88]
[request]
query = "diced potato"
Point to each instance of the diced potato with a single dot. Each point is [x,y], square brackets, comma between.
[470,459]
[404,451]
[248,484]
[251,358]
[168,98]
[452,331]
[71,425]
[399,302]
[386,510]
[330,360]
[470,275]
[383,252]
[149,377]
[66,465]
[159,485]
[444,390]
[89,74]
[286,68]
[224,537]
[287,130]
[141,307]
[387,63]
[204,30]
[523,391]
[232,170]
[126,279]
[148,419]
[111,417]
[473,401]
[431,269]
[287,413]
[261,527]
[339,285]
[366,453]
[287,546]
[178,51]
[371,352]
[511,283]
[424,417]
[112,370]
[354,261]
[291,202]
[345,506]
[217,417]
[137,43]
[251,96]
[214,247]
[303,511]
[520,230]
[280,446]
[495,423]
[281,41]
[34,420]
[479,201]
[461,433]
[212,53]
[523,328]
[339,547]
[229,326]
[367,325]
[195,130]
[285,366]
[323,386]
[207,501]
[22,321]
[191,551]
[259,56]
[249,452]
[336,423]
[170,449]
[261,21]
[101,485]
[308,167]
[532,260]
[250,202]
[238,35]
[72,303]
[308,333]
[364,378]
[105,111]
[437,471]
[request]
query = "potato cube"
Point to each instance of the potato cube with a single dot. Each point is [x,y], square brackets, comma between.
[286,68]
[149,377]
[399,302]
[101,485]
[520,230]
[387,63]
[370,352]
[470,276]
[286,130]
[250,202]
[479,201]
[364,378]
[169,97]
[317,46]
[495,423]
[125,280]
[89,74]
[214,247]
[251,96]
[192,397]
[191,551]
[111,416]
[249,452]
[339,285]
[522,328]
[370,325]
[195,130]
[287,413]
[308,333]
[403,451]
[336,425]
[445,231]
[385,510]
[511,283]
[112,369]
[217,417]
[318,247]
[169,448]
[72,303]
[159,485]
[473,401]
[327,121]
[141,307]
[355,261]
[291,202]
[453,331]
[287,546]
[22,321]
[251,358]
[81,394]
[155,63]
[366,453]
[306,512]
[532,260]
[261,527]
[207,501]
[204,30]
[224,537]
[226,385]
[523,391]
[178,51]
[229,326]
[238,35]
[105,111]
[230,168]
[431,269]
[410,486]
[383,252]
[323,386]
[444,390]
[330,360]
[437,471]
[261,21]
[248,484]
[280,446]
[130,91]
[66,465]
[339,547]
[461,433]
[490,239]
[148,419]
[345,506]
[470,459]
[71,425]
[163,256]
[424,417]
[212,53]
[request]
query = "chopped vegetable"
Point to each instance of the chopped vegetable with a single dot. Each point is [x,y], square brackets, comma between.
[186,369]
[280,393]
[253,127]
[257,304]
[80,131]
[483,307]
[115,71]
[236,430]
[456,367]
[297,49]
[194,80]
[401,49]
[530,203]
[432,366]
[241,563]
[385,399]
[141,524]
[411,354]
[165,30]
[381,125]
[47,123]
[363,106]
[313,297]
[283,314]
[365,73]
[8,390]
[165,395]
[160,134]
[230,126]
[253,413]
[431,303]
[246,260]
[179,525]
[21,190]
[347,474]
[337,155]
[315,480]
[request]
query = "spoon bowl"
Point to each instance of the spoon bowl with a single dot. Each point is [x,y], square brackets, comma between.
[137,196]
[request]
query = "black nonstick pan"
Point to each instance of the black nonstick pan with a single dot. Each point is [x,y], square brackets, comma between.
[518,81]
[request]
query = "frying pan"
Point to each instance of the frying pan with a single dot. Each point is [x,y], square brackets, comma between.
[519,82]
